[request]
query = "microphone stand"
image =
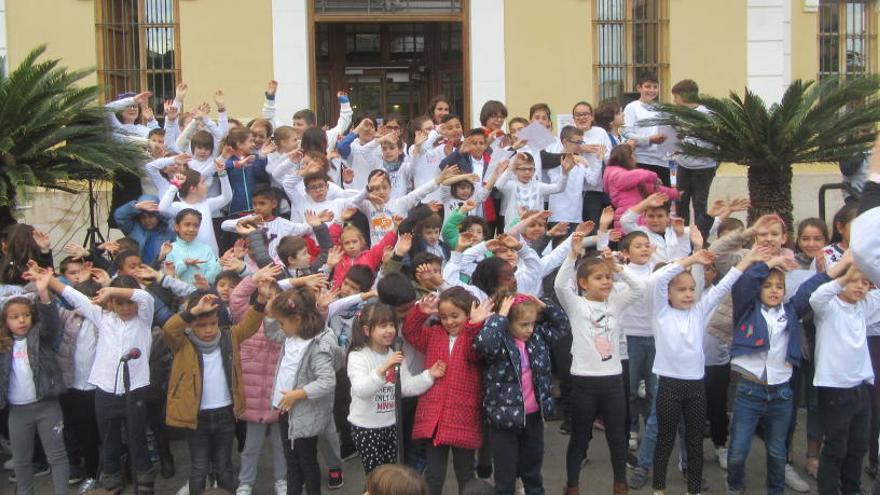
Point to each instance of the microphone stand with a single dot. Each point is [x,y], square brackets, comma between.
[126,383]
[398,405]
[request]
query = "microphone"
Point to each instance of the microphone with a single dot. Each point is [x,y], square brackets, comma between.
[397,346]
[133,353]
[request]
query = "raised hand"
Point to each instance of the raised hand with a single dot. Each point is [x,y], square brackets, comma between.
[171,112]
[268,272]
[76,250]
[220,100]
[334,256]
[465,240]
[268,147]
[193,262]
[206,304]
[606,218]
[429,304]
[239,249]
[247,226]
[271,87]
[703,257]
[180,91]
[558,230]
[165,250]
[585,227]
[143,99]
[147,113]
[100,276]
[315,282]
[348,213]
[200,282]
[696,238]
[479,312]
[678,226]
[325,297]
[44,242]
[147,206]
[146,272]
[467,206]
[429,277]
[403,245]
[506,304]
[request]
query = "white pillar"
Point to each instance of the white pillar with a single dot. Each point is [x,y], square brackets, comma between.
[3,45]
[768,52]
[290,57]
[486,47]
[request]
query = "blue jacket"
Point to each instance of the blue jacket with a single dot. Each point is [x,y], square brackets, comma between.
[243,181]
[344,145]
[126,217]
[750,333]
[502,390]
[464,162]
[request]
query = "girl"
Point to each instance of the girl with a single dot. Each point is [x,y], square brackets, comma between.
[597,373]
[395,479]
[190,256]
[840,238]
[492,117]
[679,321]
[31,381]
[124,325]
[259,357]
[353,252]
[609,117]
[515,346]
[524,191]
[628,185]
[438,108]
[366,151]
[194,195]
[23,243]
[128,114]
[449,413]
[371,366]
[304,383]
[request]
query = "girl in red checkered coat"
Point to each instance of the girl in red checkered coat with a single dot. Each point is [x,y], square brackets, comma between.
[449,414]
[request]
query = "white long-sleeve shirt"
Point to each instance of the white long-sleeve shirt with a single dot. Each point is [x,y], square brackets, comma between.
[135,133]
[678,333]
[771,365]
[842,358]
[529,196]
[336,199]
[595,325]
[364,158]
[528,270]
[864,245]
[115,338]
[635,319]
[645,152]
[669,246]
[169,208]
[381,218]
[275,229]
[372,393]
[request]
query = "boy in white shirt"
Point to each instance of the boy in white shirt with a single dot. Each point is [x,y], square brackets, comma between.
[669,236]
[525,192]
[647,152]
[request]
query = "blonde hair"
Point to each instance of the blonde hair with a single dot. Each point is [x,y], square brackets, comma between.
[395,479]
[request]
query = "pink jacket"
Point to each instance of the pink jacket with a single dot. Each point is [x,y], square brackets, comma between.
[622,185]
[259,358]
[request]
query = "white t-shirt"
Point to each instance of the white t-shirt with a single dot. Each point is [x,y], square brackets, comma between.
[215,389]
[22,389]
[294,348]
[769,365]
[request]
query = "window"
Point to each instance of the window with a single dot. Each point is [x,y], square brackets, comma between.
[846,38]
[138,48]
[387,6]
[630,40]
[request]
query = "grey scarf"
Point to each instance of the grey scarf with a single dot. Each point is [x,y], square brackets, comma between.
[203,346]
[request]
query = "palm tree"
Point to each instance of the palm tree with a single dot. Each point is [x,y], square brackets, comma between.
[52,132]
[825,122]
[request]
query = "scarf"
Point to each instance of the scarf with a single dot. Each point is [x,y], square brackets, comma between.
[203,346]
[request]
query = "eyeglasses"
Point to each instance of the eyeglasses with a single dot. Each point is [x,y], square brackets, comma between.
[525,169]
[580,115]
[317,187]
[572,141]
[393,127]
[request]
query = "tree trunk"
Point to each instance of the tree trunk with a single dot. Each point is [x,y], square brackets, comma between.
[770,192]
[7,212]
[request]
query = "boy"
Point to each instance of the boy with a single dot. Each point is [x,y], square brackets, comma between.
[472,158]
[398,167]
[265,203]
[671,241]
[694,174]
[141,221]
[207,403]
[308,187]
[647,153]
[244,170]
[305,118]
[567,206]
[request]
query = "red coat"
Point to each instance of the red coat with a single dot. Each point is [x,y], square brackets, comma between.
[449,413]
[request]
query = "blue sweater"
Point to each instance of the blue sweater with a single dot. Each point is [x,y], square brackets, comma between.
[150,241]
[750,333]
[243,181]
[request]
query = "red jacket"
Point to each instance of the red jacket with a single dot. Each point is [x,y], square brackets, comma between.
[369,257]
[259,357]
[449,413]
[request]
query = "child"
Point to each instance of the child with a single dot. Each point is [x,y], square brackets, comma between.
[128,114]
[265,205]
[524,191]
[472,158]
[308,187]
[766,345]
[371,370]
[207,403]
[426,238]
[679,319]
[244,168]
[31,381]
[841,310]
[669,241]
[459,221]
[399,168]
[597,381]
[647,152]
[141,221]
[515,347]
[366,154]
[395,479]
[628,185]
[448,415]
[124,326]
[694,174]
[492,117]
[194,195]
[304,383]
[458,189]
[841,224]
[353,251]
[259,357]
[188,254]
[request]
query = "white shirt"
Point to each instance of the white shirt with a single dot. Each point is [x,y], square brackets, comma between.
[372,393]
[771,365]
[678,333]
[170,208]
[529,195]
[596,135]
[669,246]
[595,328]
[22,389]
[645,152]
[864,245]
[364,158]
[215,389]
[842,358]
[116,338]
[568,205]
[294,348]
[275,229]
[84,355]
[635,319]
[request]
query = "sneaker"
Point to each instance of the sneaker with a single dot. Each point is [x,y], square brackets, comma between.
[8,465]
[599,425]
[40,470]
[633,441]
[184,490]
[335,481]
[77,475]
[636,477]
[244,489]
[794,481]
[519,489]
[643,390]
[281,487]
[721,456]
[565,427]
[88,485]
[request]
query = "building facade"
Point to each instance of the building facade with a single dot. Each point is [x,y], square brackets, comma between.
[393,56]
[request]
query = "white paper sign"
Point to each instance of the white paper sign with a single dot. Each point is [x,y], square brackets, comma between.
[562,120]
[537,136]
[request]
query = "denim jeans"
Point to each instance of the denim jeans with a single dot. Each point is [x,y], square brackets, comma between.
[769,405]
[519,453]
[210,444]
[641,362]
[844,415]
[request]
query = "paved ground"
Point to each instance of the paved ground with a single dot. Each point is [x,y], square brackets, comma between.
[596,476]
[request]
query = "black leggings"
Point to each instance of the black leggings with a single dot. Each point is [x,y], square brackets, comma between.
[595,397]
[717,384]
[302,461]
[676,398]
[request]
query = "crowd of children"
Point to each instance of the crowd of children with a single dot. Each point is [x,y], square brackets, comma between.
[415,292]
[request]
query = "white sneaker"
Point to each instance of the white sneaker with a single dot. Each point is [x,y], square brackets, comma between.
[643,390]
[280,487]
[8,466]
[721,455]
[519,489]
[244,490]
[633,441]
[794,481]
[184,490]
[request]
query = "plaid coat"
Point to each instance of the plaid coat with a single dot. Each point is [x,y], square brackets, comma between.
[449,412]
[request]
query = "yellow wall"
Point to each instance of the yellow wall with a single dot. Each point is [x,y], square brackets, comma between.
[224,45]
[804,43]
[66,27]
[548,54]
[711,53]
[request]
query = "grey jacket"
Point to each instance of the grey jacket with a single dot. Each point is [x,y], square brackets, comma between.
[317,377]
[44,363]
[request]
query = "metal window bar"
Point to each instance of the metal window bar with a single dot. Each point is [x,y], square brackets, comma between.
[846,38]
[387,6]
